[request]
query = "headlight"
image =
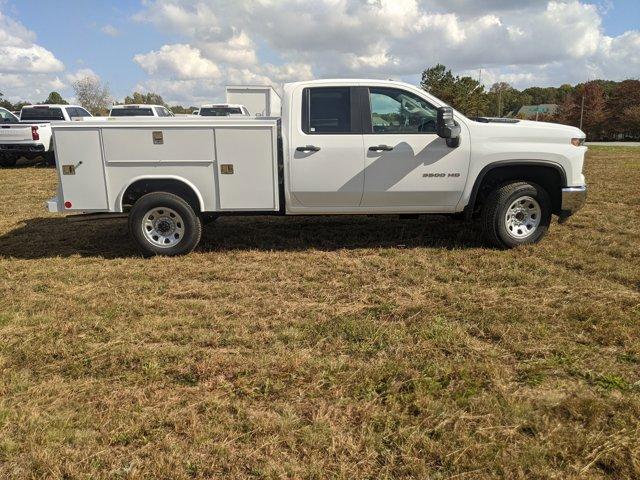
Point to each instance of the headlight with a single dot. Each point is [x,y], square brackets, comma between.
[577,142]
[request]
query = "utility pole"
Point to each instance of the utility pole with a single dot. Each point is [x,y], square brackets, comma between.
[582,106]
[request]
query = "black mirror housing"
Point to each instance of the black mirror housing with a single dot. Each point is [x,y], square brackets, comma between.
[446,127]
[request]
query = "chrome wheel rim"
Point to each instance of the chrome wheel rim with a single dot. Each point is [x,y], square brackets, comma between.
[163,227]
[523,217]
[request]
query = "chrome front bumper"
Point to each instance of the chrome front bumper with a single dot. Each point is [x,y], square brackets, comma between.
[573,199]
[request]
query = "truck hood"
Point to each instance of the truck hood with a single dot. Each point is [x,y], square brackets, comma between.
[526,130]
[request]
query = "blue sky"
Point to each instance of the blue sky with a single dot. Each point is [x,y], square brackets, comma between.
[187,50]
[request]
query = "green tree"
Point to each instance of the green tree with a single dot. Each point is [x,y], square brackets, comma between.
[463,93]
[5,103]
[92,95]
[56,99]
[144,98]
[502,99]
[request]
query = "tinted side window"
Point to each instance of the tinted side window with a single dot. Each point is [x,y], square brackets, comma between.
[82,112]
[7,117]
[73,112]
[398,111]
[327,110]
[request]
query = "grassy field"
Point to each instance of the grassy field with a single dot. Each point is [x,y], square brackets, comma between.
[337,347]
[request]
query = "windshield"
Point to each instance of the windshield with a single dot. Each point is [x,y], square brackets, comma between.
[7,117]
[219,111]
[41,113]
[131,112]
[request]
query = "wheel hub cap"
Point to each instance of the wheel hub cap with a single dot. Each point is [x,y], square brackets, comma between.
[163,227]
[523,217]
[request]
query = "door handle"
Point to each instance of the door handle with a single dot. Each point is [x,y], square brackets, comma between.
[381,148]
[308,148]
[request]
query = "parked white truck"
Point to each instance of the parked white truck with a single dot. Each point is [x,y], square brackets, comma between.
[340,147]
[222,110]
[140,110]
[31,137]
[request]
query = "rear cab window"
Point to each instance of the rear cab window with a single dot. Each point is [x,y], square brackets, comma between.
[330,110]
[131,112]
[219,111]
[42,114]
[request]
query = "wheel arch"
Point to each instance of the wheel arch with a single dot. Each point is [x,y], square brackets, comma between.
[143,184]
[549,175]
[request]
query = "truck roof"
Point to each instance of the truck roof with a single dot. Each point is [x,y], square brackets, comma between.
[135,105]
[351,81]
[52,105]
[222,105]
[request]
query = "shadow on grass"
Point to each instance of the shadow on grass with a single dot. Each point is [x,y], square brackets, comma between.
[109,238]
[37,162]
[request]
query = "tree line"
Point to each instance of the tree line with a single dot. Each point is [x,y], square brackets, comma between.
[96,97]
[606,110]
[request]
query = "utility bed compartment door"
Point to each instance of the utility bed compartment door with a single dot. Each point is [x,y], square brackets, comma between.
[79,158]
[246,162]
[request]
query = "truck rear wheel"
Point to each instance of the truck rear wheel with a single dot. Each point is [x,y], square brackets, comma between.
[516,213]
[164,224]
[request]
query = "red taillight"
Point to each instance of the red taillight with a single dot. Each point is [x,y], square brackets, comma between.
[34,133]
[67,204]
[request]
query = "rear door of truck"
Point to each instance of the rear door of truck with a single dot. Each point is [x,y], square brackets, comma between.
[326,148]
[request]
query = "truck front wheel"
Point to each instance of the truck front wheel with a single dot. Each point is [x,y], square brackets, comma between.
[516,213]
[164,224]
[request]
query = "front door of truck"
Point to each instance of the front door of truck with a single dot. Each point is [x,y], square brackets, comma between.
[406,163]
[326,150]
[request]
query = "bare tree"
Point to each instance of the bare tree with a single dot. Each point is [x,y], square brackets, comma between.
[92,94]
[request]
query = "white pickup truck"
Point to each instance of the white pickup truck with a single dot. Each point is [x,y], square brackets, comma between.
[340,147]
[31,137]
[140,110]
[222,110]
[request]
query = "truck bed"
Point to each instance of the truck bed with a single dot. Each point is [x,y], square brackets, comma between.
[230,164]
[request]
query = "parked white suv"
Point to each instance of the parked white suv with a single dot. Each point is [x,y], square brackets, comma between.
[31,136]
[140,110]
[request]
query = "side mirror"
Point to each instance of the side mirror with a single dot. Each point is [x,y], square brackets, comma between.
[446,127]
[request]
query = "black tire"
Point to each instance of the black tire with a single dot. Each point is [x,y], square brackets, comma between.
[190,225]
[494,222]
[8,161]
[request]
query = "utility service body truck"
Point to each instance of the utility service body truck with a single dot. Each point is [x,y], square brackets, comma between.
[340,147]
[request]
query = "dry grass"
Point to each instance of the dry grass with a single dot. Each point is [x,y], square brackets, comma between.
[322,347]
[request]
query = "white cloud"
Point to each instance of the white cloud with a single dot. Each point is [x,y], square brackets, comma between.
[110,30]
[534,41]
[26,68]
[179,61]
[20,54]
[80,74]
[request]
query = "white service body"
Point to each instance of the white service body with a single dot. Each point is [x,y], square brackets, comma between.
[260,101]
